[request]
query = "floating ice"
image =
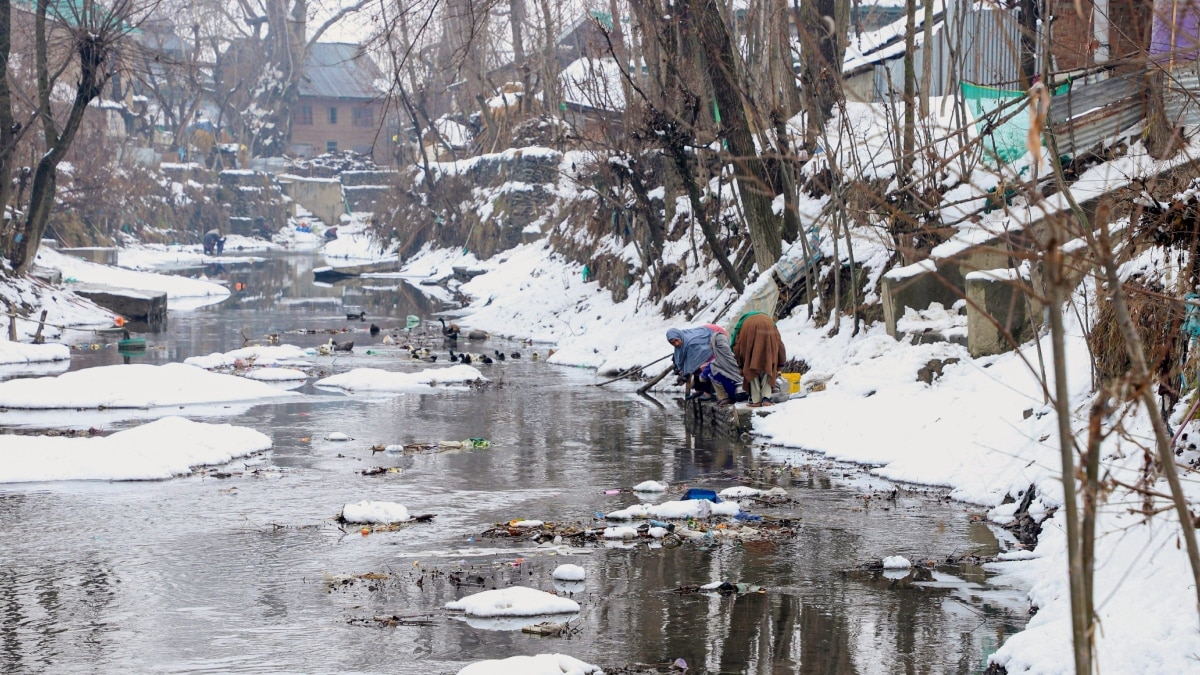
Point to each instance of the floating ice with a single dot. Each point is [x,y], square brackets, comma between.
[739,491]
[374,512]
[896,562]
[542,664]
[569,572]
[164,448]
[374,379]
[513,601]
[650,486]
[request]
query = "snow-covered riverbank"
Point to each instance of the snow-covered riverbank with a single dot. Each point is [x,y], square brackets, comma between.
[983,430]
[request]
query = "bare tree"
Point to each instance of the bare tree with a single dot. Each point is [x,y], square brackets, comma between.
[80,40]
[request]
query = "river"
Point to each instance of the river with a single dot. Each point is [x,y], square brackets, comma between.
[246,570]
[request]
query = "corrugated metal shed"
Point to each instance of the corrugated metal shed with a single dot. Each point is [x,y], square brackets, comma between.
[985,44]
[1180,94]
[1090,114]
[338,70]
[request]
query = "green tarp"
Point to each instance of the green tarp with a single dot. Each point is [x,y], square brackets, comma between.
[1003,141]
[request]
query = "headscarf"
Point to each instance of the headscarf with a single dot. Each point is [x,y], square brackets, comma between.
[694,351]
[759,348]
[738,327]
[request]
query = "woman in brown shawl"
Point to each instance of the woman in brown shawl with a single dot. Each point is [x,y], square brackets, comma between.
[760,354]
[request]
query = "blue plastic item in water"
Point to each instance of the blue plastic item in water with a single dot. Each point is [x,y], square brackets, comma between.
[701,493]
[742,515]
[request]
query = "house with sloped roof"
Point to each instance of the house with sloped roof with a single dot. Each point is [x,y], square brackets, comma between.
[340,105]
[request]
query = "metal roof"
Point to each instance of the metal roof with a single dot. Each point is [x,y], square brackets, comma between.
[338,70]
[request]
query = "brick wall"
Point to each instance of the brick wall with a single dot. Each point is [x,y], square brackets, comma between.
[1072,36]
[357,127]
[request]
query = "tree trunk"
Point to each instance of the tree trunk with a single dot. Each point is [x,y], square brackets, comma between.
[908,142]
[926,58]
[7,132]
[92,51]
[1027,20]
[822,50]
[752,179]
[1162,137]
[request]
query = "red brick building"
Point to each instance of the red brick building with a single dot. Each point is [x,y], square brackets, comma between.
[340,106]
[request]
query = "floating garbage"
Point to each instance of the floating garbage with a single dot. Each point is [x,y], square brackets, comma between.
[546,629]
[525,523]
[381,470]
[337,436]
[620,532]
[650,486]
[740,491]
[702,493]
[470,443]
[723,587]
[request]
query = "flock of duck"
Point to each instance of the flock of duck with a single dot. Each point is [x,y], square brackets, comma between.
[450,333]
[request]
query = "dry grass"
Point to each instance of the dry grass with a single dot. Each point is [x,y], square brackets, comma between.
[1157,319]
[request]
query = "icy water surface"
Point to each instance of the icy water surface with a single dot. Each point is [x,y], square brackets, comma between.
[252,574]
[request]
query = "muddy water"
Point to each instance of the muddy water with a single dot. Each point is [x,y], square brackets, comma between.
[251,573]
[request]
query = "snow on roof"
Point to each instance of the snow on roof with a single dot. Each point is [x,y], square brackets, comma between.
[594,83]
[872,47]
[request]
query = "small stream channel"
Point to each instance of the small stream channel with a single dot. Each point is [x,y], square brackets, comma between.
[251,573]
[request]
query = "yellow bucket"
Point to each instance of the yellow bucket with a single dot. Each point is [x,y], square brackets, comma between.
[793,380]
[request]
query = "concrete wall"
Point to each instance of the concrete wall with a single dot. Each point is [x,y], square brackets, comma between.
[322,196]
[97,254]
[998,306]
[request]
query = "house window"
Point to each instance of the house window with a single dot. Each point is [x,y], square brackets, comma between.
[305,116]
[330,146]
[333,115]
[364,117]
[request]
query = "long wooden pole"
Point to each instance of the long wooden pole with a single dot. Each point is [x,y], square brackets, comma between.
[646,387]
[629,371]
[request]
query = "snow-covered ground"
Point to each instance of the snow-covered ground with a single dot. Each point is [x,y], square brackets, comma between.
[356,243]
[150,257]
[76,270]
[17,353]
[983,430]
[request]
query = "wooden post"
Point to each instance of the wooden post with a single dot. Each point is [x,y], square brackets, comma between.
[646,387]
[37,337]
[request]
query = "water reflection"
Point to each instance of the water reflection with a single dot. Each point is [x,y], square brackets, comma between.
[201,574]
